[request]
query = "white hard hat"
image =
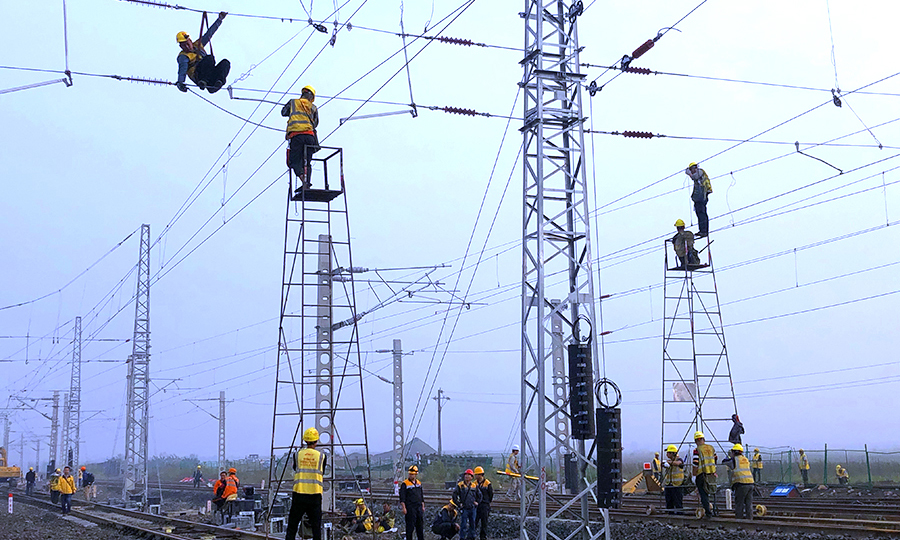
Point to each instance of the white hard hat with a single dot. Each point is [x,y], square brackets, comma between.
[515,447]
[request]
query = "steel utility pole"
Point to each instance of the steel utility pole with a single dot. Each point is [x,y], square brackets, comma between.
[72,431]
[440,401]
[137,422]
[555,241]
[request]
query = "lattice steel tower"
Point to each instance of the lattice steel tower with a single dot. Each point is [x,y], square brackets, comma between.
[72,430]
[318,380]
[556,260]
[137,423]
[697,391]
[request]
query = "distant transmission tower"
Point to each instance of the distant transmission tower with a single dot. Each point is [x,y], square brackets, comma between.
[137,423]
[318,381]
[72,430]
[697,391]
[557,264]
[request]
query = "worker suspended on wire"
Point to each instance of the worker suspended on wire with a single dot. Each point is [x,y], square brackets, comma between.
[742,482]
[200,66]
[303,119]
[683,242]
[700,196]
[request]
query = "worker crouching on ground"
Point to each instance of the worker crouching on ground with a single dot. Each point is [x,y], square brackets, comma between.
[87,484]
[742,485]
[309,470]
[700,195]
[67,488]
[196,63]
[757,465]
[704,470]
[674,478]
[30,477]
[804,466]
[444,524]
[385,522]
[484,507]
[412,504]
[842,475]
[683,242]
[303,119]
[54,486]
[466,496]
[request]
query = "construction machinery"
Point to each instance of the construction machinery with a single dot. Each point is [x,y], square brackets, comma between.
[7,473]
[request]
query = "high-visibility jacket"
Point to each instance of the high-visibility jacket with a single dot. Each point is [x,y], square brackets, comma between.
[309,471]
[361,511]
[225,488]
[303,117]
[675,473]
[512,463]
[54,482]
[654,465]
[705,459]
[237,481]
[757,461]
[842,472]
[742,474]
[804,462]
[66,485]
[702,185]
[411,493]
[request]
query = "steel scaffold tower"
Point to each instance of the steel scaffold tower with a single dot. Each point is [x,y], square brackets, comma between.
[697,390]
[318,380]
[72,430]
[137,423]
[556,241]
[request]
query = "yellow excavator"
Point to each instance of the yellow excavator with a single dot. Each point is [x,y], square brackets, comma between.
[7,473]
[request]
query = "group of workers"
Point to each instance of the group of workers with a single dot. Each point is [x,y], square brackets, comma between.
[225,490]
[63,485]
[471,502]
[683,241]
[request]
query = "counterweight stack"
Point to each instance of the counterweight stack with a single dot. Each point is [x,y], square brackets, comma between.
[697,391]
[319,378]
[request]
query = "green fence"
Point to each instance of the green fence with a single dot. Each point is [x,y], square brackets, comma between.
[865,467]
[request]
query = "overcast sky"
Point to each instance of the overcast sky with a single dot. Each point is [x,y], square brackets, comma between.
[85,166]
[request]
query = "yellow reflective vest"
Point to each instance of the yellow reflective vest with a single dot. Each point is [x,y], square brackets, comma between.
[674,474]
[303,117]
[707,461]
[309,471]
[757,461]
[804,462]
[193,60]
[364,511]
[742,474]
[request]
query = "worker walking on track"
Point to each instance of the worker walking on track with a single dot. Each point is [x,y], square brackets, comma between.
[309,471]
[484,507]
[757,466]
[200,66]
[54,486]
[30,477]
[674,478]
[466,496]
[804,467]
[704,470]
[303,142]
[87,483]
[512,466]
[67,488]
[198,476]
[700,196]
[742,484]
[412,504]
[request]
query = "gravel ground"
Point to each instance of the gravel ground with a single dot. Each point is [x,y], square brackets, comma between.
[30,523]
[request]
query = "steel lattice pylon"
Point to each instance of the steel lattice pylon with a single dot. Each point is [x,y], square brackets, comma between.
[72,429]
[556,258]
[318,380]
[697,391]
[138,419]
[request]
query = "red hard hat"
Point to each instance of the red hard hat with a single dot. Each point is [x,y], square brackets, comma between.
[469,471]
[84,468]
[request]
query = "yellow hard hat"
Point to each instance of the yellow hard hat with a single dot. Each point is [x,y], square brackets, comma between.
[800,450]
[672,448]
[679,223]
[360,501]
[311,435]
[414,469]
[838,467]
[57,470]
[693,164]
[30,468]
[479,470]
[198,466]
[181,37]
[311,89]
[452,503]
[699,435]
[738,447]
[756,449]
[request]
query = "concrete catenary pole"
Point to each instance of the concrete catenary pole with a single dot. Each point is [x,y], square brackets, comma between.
[440,401]
[222,430]
[398,435]
[54,431]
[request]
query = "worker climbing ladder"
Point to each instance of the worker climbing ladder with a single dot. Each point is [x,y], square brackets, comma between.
[697,391]
[318,380]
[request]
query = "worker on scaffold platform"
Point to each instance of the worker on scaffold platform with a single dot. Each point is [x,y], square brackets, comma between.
[196,63]
[683,242]
[309,472]
[700,196]
[303,119]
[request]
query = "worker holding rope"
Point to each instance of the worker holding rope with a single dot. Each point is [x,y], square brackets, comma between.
[196,63]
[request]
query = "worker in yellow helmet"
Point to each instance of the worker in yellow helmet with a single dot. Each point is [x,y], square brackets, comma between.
[412,504]
[683,242]
[700,196]
[444,524]
[30,478]
[757,464]
[200,66]
[742,482]
[53,483]
[842,475]
[309,471]
[804,466]
[362,517]
[704,470]
[483,511]
[674,480]
[656,468]
[198,476]
[303,142]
